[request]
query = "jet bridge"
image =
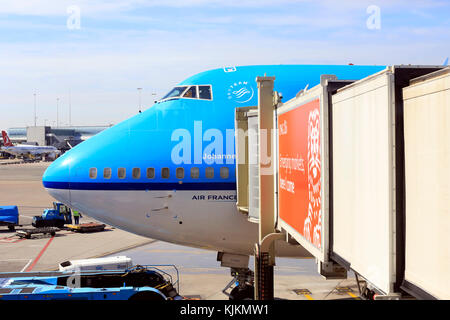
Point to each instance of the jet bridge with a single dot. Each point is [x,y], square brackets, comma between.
[331,176]
[427,215]
[304,170]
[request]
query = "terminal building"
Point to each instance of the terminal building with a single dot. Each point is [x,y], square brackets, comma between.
[62,138]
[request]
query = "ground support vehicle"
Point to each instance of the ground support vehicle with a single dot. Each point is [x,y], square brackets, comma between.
[56,217]
[9,216]
[137,283]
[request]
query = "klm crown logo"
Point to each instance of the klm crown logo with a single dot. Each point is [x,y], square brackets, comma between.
[240,92]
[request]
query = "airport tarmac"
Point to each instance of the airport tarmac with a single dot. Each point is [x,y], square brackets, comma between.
[21,185]
[200,274]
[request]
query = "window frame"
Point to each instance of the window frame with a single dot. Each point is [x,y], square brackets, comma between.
[124,171]
[133,171]
[154,173]
[95,170]
[198,173]
[176,172]
[176,97]
[198,93]
[212,170]
[162,174]
[110,173]
[227,170]
[210,90]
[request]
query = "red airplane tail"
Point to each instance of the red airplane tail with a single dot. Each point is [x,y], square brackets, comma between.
[6,141]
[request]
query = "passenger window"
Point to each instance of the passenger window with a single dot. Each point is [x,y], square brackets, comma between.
[136,173]
[180,173]
[107,173]
[204,92]
[209,172]
[191,92]
[165,173]
[195,173]
[150,173]
[121,173]
[93,173]
[224,172]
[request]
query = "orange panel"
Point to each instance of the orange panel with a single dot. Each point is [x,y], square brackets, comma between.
[299,168]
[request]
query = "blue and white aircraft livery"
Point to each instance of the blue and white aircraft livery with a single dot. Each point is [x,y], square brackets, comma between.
[168,173]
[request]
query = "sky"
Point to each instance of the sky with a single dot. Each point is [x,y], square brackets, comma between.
[94,54]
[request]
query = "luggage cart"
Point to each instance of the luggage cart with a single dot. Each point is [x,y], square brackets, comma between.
[86,227]
[27,233]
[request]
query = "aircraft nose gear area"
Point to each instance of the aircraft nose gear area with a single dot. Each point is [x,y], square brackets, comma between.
[243,281]
[242,285]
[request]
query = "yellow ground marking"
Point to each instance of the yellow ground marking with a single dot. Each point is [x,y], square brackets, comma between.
[307,296]
[352,295]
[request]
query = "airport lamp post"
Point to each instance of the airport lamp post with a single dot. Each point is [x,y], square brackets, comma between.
[139,91]
[57,112]
[70,108]
[34,94]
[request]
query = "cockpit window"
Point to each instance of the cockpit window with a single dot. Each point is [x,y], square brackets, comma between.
[175,93]
[191,92]
[203,92]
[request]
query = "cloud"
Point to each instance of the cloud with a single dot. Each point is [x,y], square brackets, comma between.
[93,7]
[90,7]
[59,8]
[123,45]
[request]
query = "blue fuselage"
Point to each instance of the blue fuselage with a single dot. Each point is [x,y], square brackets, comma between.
[169,173]
[182,133]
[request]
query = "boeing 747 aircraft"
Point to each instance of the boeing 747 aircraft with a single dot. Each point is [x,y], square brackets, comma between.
[27,151]
[168,173]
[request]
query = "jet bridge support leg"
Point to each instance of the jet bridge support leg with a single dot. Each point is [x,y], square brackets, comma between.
[264,263]
[265,248]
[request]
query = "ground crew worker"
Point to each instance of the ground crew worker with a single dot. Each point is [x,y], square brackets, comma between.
[77,215]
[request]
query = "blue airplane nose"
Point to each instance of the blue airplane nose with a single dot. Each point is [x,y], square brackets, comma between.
[71,171]
[56,179]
